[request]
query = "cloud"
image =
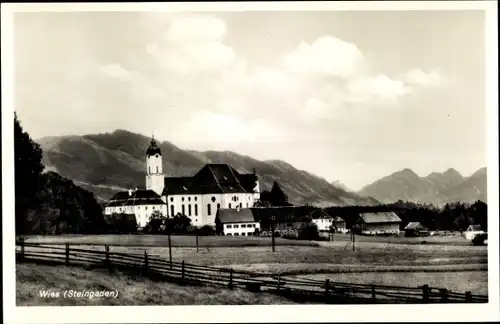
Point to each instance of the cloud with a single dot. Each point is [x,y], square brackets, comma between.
[193,44]
[378,87]
[326,55]
[420,78]
[116,71]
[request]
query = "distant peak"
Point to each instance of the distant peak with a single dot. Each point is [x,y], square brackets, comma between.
[407,171]
[452,172]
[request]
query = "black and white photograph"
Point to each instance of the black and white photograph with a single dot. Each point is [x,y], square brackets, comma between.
[275,155]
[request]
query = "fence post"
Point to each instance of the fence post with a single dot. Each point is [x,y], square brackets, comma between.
[374,298]
[468,297]
[196,241]
[21,243]
[67,253]
[230,278]
[327,287]
[425,293]
[444,294]
[106,249]
[279,282]
[170,250]
[182,270]
[145,260]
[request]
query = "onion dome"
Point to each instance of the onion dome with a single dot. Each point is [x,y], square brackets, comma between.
[153,149]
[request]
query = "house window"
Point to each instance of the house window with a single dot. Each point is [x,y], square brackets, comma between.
[236,234]
[249,197]
[146,207]
[209,211]
[229,226]
[189,209]
[243,226]
[183,209]
[196,210]
[153,207]
[229,205]
[229,234]
[172,210]
[249,233]
[172,199]
[120,209]
[236,226]
[241,205]
[242,234]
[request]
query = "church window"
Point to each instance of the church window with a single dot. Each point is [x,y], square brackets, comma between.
[218,206]
[183,209]
[209,212]
[195,198]
[172,199]
[182,198]
[241,205]
[229,205]
[146,207]
[156,155]
[213,199]
[172,210]
[189,209]
[195,209]
[189,198]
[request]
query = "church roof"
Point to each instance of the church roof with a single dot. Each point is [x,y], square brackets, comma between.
[153,148]
[137,197]
[212,178]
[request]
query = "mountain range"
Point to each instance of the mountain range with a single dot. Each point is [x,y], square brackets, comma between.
[107,163]
[436,188]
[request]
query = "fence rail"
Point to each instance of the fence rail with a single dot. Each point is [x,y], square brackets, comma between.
[320,291]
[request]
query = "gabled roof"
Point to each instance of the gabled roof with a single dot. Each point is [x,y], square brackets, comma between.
[415,226]
[242,215]
[137,197]
[281,214]
[212,178]
[382,217]
[474,228]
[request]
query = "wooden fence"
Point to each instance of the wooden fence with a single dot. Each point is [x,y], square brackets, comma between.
[300,289]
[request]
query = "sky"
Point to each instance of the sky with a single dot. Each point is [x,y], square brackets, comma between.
[350,96]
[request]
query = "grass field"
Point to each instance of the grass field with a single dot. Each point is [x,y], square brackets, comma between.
[460,281]
[162,240]
[31,280]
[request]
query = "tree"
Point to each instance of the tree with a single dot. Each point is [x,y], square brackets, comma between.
[28,168]
[157,223]
[308,232]
[277,196]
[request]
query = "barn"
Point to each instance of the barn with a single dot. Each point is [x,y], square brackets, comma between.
[378,223]
[415,229]
[284,220]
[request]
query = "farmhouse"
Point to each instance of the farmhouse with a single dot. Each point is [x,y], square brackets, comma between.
[378,223]
[141,203]
[415,229]
[472,231]
[237,222]
[284,220]
[324,221]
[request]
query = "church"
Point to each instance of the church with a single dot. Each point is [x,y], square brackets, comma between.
[198,197]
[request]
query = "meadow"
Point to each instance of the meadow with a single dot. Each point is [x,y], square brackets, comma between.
[405,262]
[162,240]
[132,290]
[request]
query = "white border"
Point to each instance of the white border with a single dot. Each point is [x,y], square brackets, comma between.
[267,314]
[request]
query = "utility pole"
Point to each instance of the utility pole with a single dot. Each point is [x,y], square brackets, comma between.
[272,231]
[170,249]
[353,238]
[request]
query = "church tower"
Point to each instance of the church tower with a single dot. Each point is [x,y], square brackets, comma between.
[154,168]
